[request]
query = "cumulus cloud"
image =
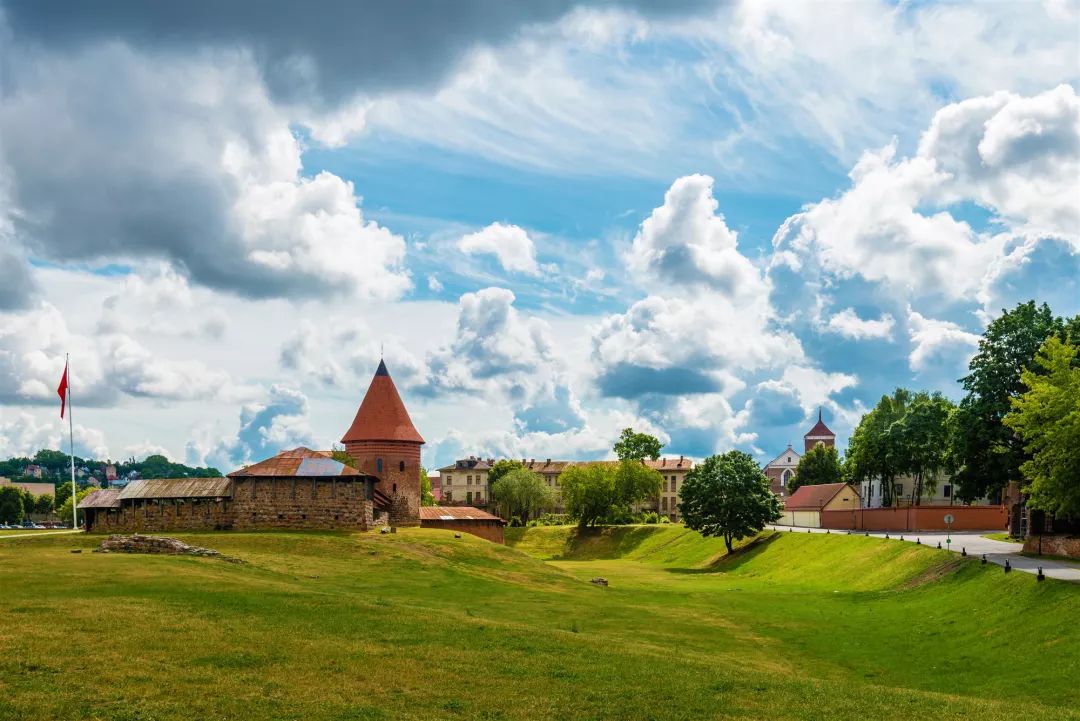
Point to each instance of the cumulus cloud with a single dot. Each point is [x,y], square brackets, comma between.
[21,434]
[184,159]
[848,324]
[509,243]
[937,340]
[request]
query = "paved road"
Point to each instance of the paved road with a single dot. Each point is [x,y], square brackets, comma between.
[996,551]
[37,533]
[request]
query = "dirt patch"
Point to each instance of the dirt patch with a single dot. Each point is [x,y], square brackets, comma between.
[934,573]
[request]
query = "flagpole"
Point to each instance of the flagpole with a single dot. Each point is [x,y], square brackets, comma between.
[71,443]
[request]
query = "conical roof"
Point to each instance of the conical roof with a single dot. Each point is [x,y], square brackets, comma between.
[382,415]
[819,429]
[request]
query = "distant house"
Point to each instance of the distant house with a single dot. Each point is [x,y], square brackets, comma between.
[33,470]
[781,470]
[110,472]
[436,484]
[463,519]
[465,481]
[803,507]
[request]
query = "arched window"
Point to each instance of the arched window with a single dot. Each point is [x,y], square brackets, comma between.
[401,466]
[378,465]
[395,488]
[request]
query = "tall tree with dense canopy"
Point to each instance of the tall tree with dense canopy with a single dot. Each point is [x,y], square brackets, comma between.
[522,493]
[598,492]
[11,504]
[988,452]
[633,446]
[728,496]
[872,452]
[821,464]
[501,468]
[1047,419]
[921,442]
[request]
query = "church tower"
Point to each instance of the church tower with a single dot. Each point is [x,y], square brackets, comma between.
[384,442]
[819,435]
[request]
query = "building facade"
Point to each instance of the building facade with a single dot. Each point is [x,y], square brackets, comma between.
[465,481]
[804,507]
[819,435]
[781,470]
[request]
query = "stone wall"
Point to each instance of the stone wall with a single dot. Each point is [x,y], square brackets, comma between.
[288,503]
[1048,545]
[397,466]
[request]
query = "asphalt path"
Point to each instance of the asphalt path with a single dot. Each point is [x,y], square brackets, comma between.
[974,544]
[38,533]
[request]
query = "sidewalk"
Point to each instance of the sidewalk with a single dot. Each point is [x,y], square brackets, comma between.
[996,551]
[38,533]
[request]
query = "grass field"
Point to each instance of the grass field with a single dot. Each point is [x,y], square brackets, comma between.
[419,625]
[1002,537]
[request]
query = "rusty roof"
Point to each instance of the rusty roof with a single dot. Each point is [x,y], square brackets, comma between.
[301,461]
[382,415]
[456,513]
[819,429]
[104,498]
[177,488]
[813,498]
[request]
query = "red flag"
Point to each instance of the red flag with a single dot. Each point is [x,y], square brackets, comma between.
[62,391]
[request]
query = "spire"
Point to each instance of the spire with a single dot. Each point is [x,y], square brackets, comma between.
[382,415]
[819,415]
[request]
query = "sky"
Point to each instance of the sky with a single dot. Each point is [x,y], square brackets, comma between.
[553,219]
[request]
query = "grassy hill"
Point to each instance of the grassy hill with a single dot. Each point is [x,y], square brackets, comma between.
[420,625]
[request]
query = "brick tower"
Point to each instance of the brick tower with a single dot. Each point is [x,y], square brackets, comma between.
[819,435]
[384,442]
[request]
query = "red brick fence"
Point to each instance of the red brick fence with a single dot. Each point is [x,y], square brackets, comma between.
[918,518]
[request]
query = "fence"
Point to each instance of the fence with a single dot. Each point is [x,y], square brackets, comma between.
[918,518]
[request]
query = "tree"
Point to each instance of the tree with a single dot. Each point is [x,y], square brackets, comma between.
[11,504]
[588,492]
[635,482]
[633,446]
[339,454]
[920,441]
[988,452]
[501,468]
[872,453]
[728,496]
[1047,418]
[43,504]
[521,493]
[64,512]
[821,464]
[427,497]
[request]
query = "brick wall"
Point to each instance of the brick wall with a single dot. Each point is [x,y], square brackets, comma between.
[163,515]
[488,530]
[395,482]
[918,518]
[1053,545]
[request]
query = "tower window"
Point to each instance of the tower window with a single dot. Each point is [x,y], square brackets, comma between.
[401,466]
[395,488]
[378,465]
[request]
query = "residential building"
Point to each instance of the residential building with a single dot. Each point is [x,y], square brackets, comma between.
[941,493]
[33,470]
[110,472]
[436,484]
[673,471]
[803,507]
[781,470]
[466,481]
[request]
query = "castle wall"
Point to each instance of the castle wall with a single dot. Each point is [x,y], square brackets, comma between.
[400,484]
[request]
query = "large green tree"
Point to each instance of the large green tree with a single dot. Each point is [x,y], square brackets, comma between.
[633,446]
[728,496]
[11,504]
[872,452]
[1047,418]
[989,454]
[921,442]
[521,493]
[821,464]
[502,467]
[598,492]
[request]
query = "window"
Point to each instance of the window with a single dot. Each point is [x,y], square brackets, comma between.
[898,489]
[378,465]
[468,497]
[395,488]
[449,480]
[663,503]
[401,466]
[789,459]
[946,490]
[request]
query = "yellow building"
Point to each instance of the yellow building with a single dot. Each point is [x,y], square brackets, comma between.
[804,506]
[465,482]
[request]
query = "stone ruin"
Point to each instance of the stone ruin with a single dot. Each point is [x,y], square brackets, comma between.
[138,543]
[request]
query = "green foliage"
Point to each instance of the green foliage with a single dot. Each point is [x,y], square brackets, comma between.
[11,504]
[633,446]
[989,453]
[1047,419]
[522,493]
[64,511]
[728,495]
[501,468]
[872,452]
[821,464]
[339,454]
[606,492]
[550,519]
[43,504]
[427,496]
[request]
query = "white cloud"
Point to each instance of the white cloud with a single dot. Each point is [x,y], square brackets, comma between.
[936,340]
[509,243]
[433,283]
[848,324]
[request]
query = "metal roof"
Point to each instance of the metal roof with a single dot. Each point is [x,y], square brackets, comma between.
[177,488]
[302,462]
[455,513]
[103,498]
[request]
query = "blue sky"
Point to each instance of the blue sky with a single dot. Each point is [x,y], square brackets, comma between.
[706,220]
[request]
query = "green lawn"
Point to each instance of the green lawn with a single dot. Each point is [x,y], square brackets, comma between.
[419,625]
[1002,537]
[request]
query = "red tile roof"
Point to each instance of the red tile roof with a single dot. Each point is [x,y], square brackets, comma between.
[819,429]
[813,498]
[455,513]
[382,415]
[301,461]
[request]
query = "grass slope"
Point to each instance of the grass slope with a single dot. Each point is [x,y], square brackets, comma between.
[419,625]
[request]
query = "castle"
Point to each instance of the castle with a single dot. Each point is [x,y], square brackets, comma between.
[296,489]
